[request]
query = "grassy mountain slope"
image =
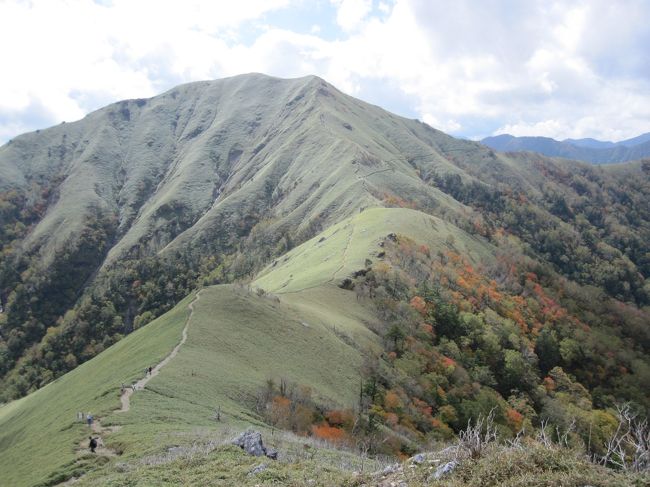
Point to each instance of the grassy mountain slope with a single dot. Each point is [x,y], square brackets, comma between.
[203,151]
[237,340]
[344,248]
[38,433]
[109,221]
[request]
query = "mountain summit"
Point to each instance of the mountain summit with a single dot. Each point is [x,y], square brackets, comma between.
[218,155]
[275,252]
[219,177]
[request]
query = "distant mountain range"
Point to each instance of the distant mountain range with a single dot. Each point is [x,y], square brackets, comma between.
[588,150]
[313,263]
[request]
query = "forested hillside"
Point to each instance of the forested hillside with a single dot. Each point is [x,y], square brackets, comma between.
[108,222]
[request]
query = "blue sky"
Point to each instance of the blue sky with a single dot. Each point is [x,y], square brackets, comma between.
[470,68]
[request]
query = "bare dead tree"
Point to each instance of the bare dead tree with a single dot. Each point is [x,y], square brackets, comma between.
[563,436]
[542,434]
[473,440]
[629,447]
[363,445]
[515,443]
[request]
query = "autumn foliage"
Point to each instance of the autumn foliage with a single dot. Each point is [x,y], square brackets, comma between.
[326,432]
[464,339]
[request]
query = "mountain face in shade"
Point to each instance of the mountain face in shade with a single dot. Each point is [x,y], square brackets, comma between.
[588,150]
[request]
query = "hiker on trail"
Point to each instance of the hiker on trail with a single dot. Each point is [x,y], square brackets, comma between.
[150,369]
[134,386]
[146,371]
[92,444]
[89,419]
[122,388]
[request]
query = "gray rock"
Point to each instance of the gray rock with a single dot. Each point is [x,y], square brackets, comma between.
[419,458]
[445,469]
[251,443]
[391,469]
[272,453]
[260,468]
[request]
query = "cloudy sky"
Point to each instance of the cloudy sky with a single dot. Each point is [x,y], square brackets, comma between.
[470,68]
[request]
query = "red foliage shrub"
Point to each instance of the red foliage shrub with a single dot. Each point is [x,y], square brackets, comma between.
[419,305]
[329,433]
[515,419]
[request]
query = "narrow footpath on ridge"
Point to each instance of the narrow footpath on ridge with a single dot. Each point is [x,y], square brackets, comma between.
[125,398]
[96,426]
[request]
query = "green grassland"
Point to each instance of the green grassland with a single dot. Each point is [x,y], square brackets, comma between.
[343,248]
[293,322]
[39,432]
[236,341]
[308,331]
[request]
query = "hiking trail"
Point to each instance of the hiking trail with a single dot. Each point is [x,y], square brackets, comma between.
[96,428]
[125,398]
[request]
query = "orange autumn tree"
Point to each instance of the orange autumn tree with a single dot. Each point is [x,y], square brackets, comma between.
[468,340]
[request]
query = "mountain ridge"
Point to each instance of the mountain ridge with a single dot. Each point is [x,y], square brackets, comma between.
[365,280]
[209,181]
[588,150]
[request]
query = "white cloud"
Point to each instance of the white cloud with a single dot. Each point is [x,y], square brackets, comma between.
[350,13]
[383,7]
[448,125]
[564,68]
[71,56]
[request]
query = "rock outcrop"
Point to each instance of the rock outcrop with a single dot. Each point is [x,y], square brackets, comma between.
[251,443]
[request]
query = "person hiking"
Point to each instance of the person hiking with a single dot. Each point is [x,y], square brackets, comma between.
[150,369]
[89,419]
[92,444]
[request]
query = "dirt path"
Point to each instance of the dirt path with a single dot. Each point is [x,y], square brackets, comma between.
[345,254]
[125,398]
[96,428]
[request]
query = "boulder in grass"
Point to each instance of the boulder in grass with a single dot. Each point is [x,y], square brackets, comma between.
[272,453]
[418,459]
[251,443]
[445,469]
